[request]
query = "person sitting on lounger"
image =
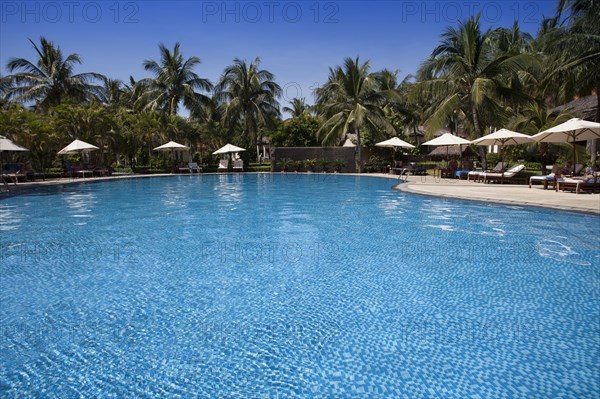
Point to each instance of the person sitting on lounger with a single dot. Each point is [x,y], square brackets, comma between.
[557,171]
[568,169]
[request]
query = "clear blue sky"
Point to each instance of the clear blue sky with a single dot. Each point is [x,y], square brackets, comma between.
[297,40]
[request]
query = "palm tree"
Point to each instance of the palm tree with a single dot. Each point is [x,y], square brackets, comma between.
[249,97]
[50,80]
[574,49]
[174,82]
[111,92]
[297,107]
[536,117]
[466,76]
[511,40]
[351,100]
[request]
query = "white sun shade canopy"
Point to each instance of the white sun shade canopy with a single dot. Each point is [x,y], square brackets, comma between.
[76,147]
[227,148]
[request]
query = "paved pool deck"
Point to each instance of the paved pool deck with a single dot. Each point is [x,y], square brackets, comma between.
[425,185]
[510,194]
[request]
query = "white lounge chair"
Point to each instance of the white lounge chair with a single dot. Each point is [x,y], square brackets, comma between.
[223,165]
[504,177]
[543,180]
[476,175]
[238,165]
[193,166]
[578,184]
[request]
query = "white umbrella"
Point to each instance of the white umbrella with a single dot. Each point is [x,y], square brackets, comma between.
[172,146]
[503,137]
[8,145]
[76,147]
[569,132]
[447,139]
[227,148]
[394,142]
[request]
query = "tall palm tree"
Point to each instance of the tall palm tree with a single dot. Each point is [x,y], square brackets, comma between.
[352,100]
[298,106]
[511,40]
[174,82]
[466,76]
[249,96]
[574,49]
[110,93]
[50,80]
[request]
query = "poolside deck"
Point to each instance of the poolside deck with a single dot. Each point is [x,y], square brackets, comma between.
[502,193]
[427,185]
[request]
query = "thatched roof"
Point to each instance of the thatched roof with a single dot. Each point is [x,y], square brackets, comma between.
[453,151]
[584,107]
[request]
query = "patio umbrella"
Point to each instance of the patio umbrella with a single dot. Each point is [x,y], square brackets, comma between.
[227,148]
[447,140]
[394,142]
[569,132]
[172,146]
[8,145]
[77,147]
[503,137]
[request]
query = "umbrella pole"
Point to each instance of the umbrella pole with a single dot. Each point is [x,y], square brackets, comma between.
[574,157]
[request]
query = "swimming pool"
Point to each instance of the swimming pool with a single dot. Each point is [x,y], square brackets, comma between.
[248,286]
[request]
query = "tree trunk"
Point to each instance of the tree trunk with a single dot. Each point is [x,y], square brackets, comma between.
[358,150]
[594,146]
[477,126]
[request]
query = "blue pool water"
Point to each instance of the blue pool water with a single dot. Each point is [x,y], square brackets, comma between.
[267,286]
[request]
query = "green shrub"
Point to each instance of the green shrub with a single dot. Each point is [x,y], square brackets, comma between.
[310,164]
[375,164]
[338,165]
[323,165]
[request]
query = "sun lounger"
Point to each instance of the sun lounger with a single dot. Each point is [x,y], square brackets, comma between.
[578,184]
[223,165]
[238,165]
[193,166]
[477,175]
[543,180]
[510,176]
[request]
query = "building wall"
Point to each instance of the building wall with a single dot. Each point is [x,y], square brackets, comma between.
[303,153]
